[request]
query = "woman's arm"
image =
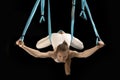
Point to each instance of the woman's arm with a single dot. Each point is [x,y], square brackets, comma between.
[88,52]
[33,52]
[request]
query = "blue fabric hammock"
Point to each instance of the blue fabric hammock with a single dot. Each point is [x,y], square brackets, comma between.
[84,6]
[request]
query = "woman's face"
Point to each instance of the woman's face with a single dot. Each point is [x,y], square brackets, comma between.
[62,56]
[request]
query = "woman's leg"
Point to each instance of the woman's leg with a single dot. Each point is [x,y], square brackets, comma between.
[76,43]
[44,42]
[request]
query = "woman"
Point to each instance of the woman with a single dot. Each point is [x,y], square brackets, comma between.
[60,42]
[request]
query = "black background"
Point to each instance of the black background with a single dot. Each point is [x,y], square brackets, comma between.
[17,64]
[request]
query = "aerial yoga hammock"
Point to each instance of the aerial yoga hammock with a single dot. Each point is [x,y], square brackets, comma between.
[61,40]
[84,6]
[82,14]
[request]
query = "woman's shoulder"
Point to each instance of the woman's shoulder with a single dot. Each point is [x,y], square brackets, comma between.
[72,53]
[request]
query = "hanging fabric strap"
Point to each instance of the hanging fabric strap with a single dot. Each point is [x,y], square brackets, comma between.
[49,21]
[30,19]
[72,18]
[82,13]
[42,10]
[85,5]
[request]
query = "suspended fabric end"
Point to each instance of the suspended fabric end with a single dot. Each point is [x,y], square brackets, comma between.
[83,15]
[42,19]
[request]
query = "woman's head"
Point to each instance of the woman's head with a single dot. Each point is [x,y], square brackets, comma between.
[62,52]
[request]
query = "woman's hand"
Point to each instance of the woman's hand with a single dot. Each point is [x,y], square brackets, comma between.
[20,43]
[100,44]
